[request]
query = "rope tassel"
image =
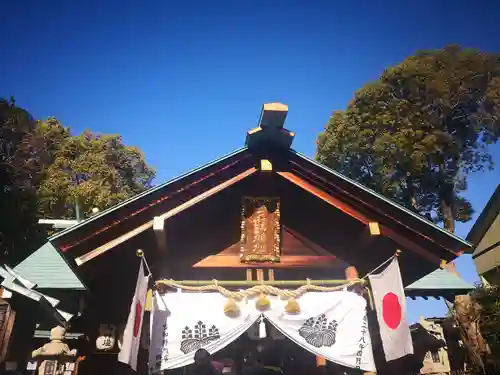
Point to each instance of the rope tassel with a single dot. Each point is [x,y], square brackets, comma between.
[263,303]
[292,306]
[231,308]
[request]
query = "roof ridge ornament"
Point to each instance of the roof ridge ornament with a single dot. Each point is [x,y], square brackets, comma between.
[270,130]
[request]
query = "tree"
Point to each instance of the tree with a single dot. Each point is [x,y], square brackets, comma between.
[417,132]
[467,312]
[108,171]
[488,297]
[19,173]
[38,164]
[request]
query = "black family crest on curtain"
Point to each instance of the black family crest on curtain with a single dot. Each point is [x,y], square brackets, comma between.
[318,332]
[192,341]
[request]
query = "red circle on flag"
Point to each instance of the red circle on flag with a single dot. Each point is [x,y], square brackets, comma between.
[391,310]
[137,318]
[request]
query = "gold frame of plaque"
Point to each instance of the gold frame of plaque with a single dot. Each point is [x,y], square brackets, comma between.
[260,230]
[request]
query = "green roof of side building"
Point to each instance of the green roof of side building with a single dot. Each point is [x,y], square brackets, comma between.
[440,280]
[49,270]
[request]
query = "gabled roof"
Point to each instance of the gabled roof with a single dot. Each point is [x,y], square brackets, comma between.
[269,138]
[430,229]
[441,280]
[485,219]
[49,270]
[133,216]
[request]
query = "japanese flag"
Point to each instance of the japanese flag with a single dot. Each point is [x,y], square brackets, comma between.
[132,334]
[389,297]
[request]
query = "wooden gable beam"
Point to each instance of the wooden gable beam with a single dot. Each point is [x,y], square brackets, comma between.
[286,262]
[351,211]
[325,197]
[148,225]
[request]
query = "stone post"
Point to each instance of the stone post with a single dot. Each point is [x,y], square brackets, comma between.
[55,354]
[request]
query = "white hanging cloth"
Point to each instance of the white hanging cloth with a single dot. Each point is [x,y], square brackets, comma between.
[330,324]
[182,323]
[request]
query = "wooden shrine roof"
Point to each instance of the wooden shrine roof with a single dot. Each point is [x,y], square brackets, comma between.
[319,205]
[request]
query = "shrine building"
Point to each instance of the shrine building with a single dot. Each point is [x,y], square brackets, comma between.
[262,213]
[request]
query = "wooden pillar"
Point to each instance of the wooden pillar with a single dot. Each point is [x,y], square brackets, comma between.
[249,274]
[22,335]
[270,275]
[320,365]
[260,274]
[7,318]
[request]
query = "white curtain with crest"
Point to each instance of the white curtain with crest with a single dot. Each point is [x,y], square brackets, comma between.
[330,324]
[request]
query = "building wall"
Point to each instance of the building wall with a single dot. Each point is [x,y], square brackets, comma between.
[489,260]
[435,362]
[21,342]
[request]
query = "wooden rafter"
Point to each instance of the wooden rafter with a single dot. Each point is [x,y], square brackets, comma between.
[159,229]
[149,224]
[325,197]
[351,211]
[355,199]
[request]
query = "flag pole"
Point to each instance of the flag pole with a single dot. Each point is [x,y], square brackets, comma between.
[396,255]
[140,254]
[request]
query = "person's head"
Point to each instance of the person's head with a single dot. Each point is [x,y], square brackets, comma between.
[351,273]
[202,358]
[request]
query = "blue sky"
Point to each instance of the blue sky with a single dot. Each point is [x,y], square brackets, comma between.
[184,80]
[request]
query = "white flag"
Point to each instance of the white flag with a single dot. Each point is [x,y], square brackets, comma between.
[132,334]
[389,297]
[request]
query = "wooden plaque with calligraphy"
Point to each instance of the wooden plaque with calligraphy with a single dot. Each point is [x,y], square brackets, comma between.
[260,230]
